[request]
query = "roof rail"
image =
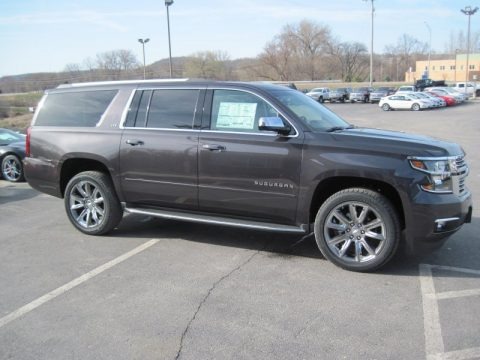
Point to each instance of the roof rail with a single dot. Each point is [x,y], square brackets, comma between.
[118,82]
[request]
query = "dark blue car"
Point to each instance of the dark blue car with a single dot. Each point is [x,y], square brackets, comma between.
[12,152]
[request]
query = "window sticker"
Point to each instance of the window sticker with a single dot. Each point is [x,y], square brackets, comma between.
[236,115]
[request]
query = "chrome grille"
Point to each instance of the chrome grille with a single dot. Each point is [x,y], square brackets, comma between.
[460,175]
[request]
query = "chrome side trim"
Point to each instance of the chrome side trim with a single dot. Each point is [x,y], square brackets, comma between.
[216,220]
[447,220]
[121,82]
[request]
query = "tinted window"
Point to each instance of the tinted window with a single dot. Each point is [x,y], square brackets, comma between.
[83,108]
[238,111]
[318,117]
[172,109]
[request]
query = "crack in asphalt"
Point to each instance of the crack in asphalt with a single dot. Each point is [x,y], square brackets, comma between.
[187,328]
[305,237]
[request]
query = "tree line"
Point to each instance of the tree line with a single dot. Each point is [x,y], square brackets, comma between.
[306,50]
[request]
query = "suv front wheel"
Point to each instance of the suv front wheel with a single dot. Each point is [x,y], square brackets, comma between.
[91,203]
[357,229]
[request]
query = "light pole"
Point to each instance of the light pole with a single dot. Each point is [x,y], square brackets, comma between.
[455,73]
[167,5]
[143,42]
[371,45]
[469,12]
[429,48]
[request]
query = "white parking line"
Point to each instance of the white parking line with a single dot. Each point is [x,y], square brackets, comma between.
[434,346]
[70,285]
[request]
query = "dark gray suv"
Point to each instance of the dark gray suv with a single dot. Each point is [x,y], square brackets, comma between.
[249,155]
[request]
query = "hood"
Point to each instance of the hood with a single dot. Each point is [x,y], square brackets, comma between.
[395,142]
[17,144]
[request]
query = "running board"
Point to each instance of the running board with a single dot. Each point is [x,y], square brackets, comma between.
[217,220]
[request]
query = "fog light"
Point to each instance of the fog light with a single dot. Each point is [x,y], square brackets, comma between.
[440,226]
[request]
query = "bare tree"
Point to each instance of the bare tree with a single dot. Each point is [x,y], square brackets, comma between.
[296,52]
[352,58]
[209,65]
[406,52]
[309,42]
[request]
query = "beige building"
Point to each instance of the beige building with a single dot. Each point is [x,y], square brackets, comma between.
[451,70]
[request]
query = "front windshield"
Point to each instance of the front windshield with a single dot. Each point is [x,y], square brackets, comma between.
[316,116]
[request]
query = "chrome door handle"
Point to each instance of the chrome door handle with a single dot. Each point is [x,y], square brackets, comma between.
[134,142]
[214,147]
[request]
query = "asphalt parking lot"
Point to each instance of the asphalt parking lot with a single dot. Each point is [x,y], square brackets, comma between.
[157,289]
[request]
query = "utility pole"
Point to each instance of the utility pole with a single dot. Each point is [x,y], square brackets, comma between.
[469,12]
[167,5]
[429,48]
[371,45]
[143,42]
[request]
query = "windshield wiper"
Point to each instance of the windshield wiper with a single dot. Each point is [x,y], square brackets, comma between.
[339,128]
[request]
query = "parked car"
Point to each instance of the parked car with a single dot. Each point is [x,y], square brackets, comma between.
[345,93]
[247,155]
[430,103]
[421,84]
[403,101]
[324,94]
[437,102]
[459,98]
[406,89]
[470,89]
[12,152]
[379,93]
[449,100]
[361,94]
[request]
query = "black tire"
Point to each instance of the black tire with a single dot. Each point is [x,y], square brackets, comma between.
[385,107]
[12,168]
[91,203]
[415,107]
[320,99]
[356,241]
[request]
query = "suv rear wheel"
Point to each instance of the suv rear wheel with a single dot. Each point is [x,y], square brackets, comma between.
[91,203]
[357,229]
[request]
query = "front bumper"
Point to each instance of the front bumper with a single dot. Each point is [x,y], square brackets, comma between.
[433,218]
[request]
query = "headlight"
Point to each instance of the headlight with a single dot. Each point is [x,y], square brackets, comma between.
[439,171]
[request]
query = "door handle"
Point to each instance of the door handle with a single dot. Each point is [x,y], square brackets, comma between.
[134,142]
[214,147]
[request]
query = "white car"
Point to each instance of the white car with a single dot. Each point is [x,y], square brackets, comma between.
[323,94]
[403,101]
[436,102]
[405,90]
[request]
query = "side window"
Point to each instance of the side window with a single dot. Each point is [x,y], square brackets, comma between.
[238,111]
[137,112]
[75,109]
[172,109]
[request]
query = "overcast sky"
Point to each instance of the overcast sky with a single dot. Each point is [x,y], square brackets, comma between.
[45,35]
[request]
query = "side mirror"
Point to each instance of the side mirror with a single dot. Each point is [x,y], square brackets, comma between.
[273,124]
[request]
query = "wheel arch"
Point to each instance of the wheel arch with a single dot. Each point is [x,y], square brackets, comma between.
[73,166]
[330,186]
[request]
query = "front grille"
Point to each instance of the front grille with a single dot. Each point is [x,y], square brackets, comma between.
[460,175]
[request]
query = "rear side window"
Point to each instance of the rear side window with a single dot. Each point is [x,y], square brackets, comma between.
[172,109]
[75,109]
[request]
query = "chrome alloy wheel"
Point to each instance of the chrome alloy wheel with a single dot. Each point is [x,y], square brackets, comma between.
[12,168]
[355,232]
[87,205]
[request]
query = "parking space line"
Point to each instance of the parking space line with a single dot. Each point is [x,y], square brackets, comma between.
[457,294]
[465,354]
[431,318]
[434,346]
[75,282]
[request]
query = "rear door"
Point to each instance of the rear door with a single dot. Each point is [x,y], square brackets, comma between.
[244,171]
[158,150]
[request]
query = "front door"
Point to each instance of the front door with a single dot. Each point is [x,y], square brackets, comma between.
[244,171]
